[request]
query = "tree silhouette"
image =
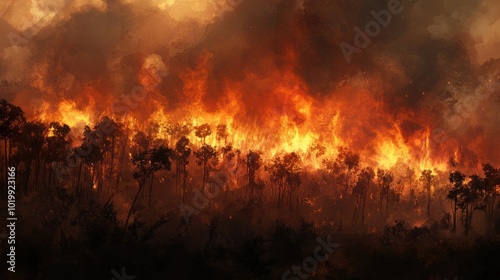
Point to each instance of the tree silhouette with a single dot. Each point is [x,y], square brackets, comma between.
[346,163]
[91,155]
[253,163]
[206,156]
[285,172]
[146,164]
[428,179]
[492,182]
[181,155]
[142,144]
[103,143]
[317,150]
[57,145]
[343,167]
[176,131]
[111,131]
[385,179]
[124,147]
[222,133]
[470,199]
[230,158]
[30,143]
[293,167]
[408,178]
[202,131]
[365,181]
[277,174]
[142,141]
[457,180]
[11,120]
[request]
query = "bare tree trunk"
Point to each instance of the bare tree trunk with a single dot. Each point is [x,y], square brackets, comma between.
[184,190]
[204,173]
[297,195]
[79,176]
[355,208]
[100,178]
[226,189]
[141,184]
[177,174]
[387,204]
[84,181]
[37,172]
[466,220]
[112,162]
[363,211]
[120,169]
[92,178]
[151,188]
[381,198]
[280,190]
[455,213]
[429,202]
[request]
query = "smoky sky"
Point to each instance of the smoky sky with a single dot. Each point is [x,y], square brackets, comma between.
[424,63]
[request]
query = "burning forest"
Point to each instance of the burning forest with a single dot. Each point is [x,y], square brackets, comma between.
[238,139]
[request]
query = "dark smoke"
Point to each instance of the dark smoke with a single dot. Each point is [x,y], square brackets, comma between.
[422,67]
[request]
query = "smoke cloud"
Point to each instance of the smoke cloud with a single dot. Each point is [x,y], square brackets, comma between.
[259,59]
